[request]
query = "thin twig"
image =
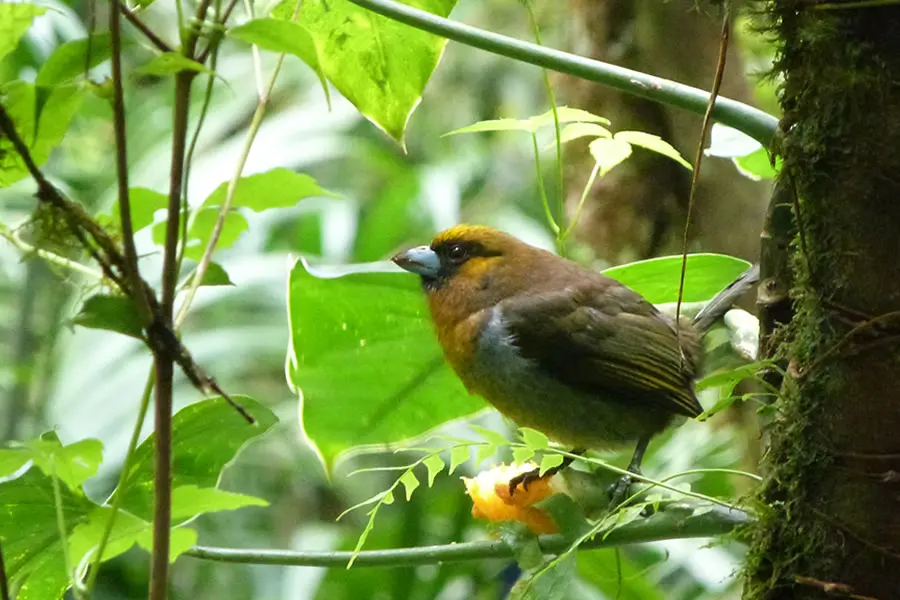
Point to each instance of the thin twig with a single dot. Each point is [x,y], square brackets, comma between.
[698,159]
[50,257]
[841,590]
[132,272]
[142,27]
[201,58]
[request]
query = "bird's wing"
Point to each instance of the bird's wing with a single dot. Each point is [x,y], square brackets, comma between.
[605,340]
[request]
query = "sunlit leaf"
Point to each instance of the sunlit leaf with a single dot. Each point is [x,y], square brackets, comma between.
[609,153]
[434,464]
[113,313]
[280,35]
[533,124]
[215,275]
[522,454]
[653,143]
[573,131]
[201,228]
[73,464]
[378,64]
[410,483]
[190,500]
[367,363]
[144,204]
[757,165]
[550,461]
[277,188]
[533,438]
[15,19]
[70,59]
[458,455]
[657,278]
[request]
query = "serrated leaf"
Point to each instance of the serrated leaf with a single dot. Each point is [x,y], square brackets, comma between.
[113,313]
[522,454]
[70,59]
[15,19]
[653,143]
[533,438]
[573,131]
[458,455]
[170,63]
[434,464]
[609,153]
[288,37]
[550,461]
[484,452]
[490,435]
[277,188]
[410,483]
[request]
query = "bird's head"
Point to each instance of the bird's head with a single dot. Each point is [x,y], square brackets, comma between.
[468,268]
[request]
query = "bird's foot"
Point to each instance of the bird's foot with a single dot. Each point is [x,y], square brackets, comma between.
[618,491]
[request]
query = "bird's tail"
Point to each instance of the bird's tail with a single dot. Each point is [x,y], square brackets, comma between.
[722,302]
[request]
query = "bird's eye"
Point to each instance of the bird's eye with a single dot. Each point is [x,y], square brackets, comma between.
[457,253]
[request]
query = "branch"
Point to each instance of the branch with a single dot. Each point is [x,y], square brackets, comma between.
[664,525]
[148,33]
[759,125]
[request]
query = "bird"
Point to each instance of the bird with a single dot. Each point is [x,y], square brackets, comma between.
[558,347]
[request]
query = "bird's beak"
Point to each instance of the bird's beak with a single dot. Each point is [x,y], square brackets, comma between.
[421,260]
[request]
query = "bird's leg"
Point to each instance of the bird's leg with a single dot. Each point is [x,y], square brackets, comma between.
[528,477]
[619,490]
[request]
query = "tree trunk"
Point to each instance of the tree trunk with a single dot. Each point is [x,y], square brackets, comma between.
[831,498]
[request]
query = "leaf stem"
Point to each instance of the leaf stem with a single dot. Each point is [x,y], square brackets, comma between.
[540,179]
[142,27]
[61,526]
[757,124]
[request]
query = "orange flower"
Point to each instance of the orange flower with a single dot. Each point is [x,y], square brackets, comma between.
[491,500]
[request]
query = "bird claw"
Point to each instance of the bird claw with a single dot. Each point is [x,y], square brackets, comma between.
[524,479]
[618,491]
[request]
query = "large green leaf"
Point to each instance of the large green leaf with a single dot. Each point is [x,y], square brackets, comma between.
[71,59]
[41,129]
[366,361]
[113,313]
[15,19]
[657,279]
[378,64]
[277,188]
[206,437]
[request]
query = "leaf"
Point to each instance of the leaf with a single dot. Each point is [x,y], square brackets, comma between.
[434,464]
[410,483]
[181,540]
[32,551]
[522,454]
[277,188]
[550,461]
[573,131]
[378,64]
[144,204]
[727,142]
[12,460]
[73,464]
[288,37]
[458,455]
[484,452]
[366,361]
[85,539]
[170,63]
[531,124]
[201,228]
[113,313]
[653,143]
[533,438]
[215,275]
[72,59]
[657,279]
[20,101]
[189,501]
[490,435]
[206,437]
[15,19]
[609,153]
[730,378]
[549,583]
[757,165]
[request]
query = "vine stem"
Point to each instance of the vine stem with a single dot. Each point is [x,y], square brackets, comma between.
[664,525]
[758,124]
[50,257]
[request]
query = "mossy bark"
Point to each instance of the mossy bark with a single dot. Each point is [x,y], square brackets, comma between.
[831,499]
